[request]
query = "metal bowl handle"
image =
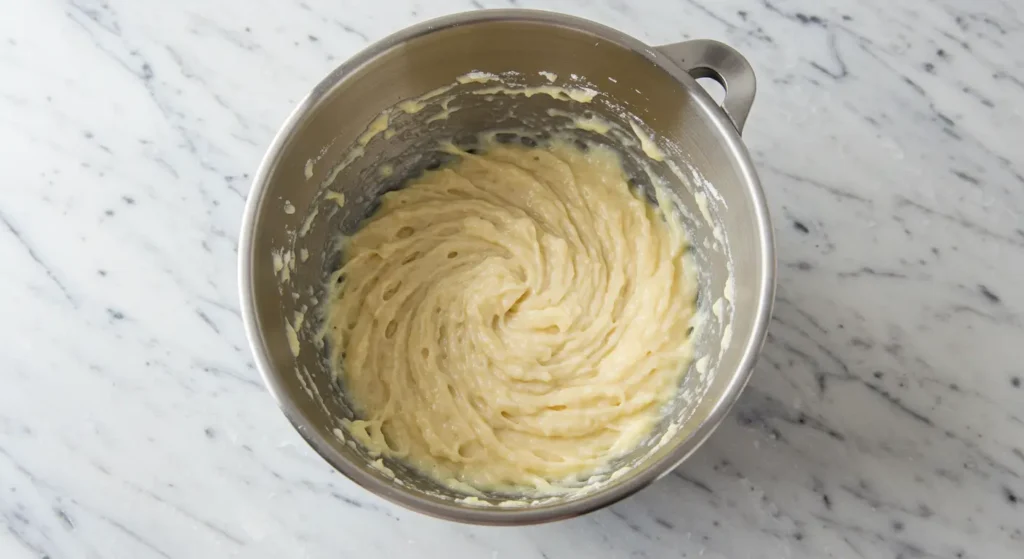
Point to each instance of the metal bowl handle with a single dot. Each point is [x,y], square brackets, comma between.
[705,58]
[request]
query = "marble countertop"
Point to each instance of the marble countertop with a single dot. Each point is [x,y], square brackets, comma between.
[885,418]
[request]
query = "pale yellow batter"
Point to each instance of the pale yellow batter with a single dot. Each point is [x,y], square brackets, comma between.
[515,320]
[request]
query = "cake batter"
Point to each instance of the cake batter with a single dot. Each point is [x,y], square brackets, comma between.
[514,320]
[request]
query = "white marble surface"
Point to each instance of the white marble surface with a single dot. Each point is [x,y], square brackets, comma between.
[885,419]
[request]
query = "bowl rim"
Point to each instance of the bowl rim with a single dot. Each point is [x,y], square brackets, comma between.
[495,515]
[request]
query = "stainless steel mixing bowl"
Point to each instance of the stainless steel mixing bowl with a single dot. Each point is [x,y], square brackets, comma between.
[286,248]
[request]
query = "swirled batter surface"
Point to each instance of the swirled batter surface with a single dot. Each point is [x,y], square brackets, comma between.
[515,319]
